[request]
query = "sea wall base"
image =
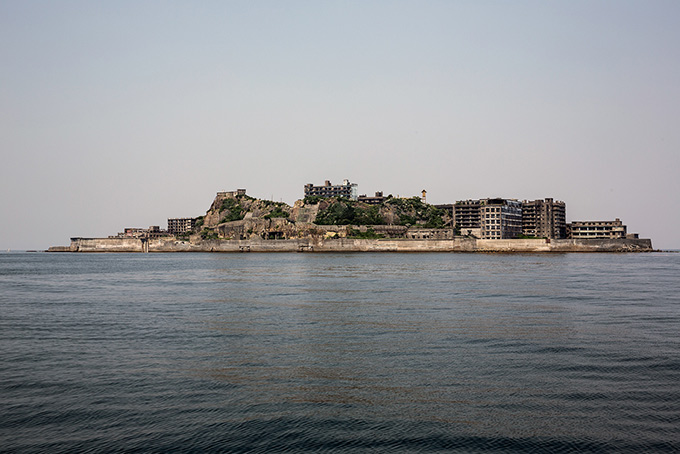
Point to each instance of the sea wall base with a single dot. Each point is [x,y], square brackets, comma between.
[354,245]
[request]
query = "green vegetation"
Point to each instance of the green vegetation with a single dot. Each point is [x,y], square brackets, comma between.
[199,221]
[184,236]
[208,234]
[268,203]
[234,210]
[235,216]
[343,211]
[405,219]
[312,199]
[277,212]
[413,211]
[369,234]
[229,205]
[435,219]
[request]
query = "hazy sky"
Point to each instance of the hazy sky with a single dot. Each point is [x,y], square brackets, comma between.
[122,114]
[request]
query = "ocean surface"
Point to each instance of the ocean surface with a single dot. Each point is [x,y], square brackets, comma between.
[340,353]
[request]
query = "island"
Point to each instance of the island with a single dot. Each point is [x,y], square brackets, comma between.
[334,218]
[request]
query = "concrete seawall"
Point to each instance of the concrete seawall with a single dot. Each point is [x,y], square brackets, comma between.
[353,245]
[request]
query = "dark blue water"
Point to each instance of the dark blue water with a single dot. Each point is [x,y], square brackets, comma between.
[331,353]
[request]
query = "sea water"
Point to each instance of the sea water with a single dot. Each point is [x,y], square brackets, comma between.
[307,352]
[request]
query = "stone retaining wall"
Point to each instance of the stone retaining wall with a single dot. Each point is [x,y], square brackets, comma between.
[355,245]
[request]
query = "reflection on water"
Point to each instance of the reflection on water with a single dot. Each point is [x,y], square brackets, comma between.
[341,352]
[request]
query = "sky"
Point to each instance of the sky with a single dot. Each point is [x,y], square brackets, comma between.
[123,114]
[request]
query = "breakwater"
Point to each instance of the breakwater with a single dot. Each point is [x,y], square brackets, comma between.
[354,245]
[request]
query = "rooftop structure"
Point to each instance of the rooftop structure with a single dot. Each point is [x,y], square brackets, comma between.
[238,192]
[346,189]
[377,199]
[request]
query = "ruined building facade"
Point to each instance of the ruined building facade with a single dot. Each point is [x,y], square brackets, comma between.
[598,230]
[346,189]
[491,219]
[545,218]
[498,218]
[180,225]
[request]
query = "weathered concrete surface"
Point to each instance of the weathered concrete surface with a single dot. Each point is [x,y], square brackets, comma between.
[106,245]
[59,249]
[619,245]
[537,245]
[320,244]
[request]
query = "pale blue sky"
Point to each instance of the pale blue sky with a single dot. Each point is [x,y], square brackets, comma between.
[122,114]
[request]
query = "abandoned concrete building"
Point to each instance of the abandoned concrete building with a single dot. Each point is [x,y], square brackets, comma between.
[498,218]
[180,225]
[153,231]
[490,219]
[598,230]
[236,193]
[375,200]
[544,218]
[466,216]
[346,189]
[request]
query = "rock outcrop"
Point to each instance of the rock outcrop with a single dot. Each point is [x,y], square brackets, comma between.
[237,216]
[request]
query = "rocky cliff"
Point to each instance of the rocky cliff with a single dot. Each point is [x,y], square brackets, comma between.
[239,216]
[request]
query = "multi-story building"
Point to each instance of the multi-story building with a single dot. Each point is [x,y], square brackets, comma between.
[153,231]
[466,217]
[544,218]
[491,219]
[346,189]
[180,225]
[376,200]
[598,230]
[500,219]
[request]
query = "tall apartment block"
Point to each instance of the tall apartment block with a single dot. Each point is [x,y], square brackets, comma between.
[501,219]
[346,189]
[466,217]
[490,219]
[180,225]
[544,218]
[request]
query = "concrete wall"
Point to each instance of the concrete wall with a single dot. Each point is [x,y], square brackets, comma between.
[613,245]
[459,244]
[106,245]
[532,245]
